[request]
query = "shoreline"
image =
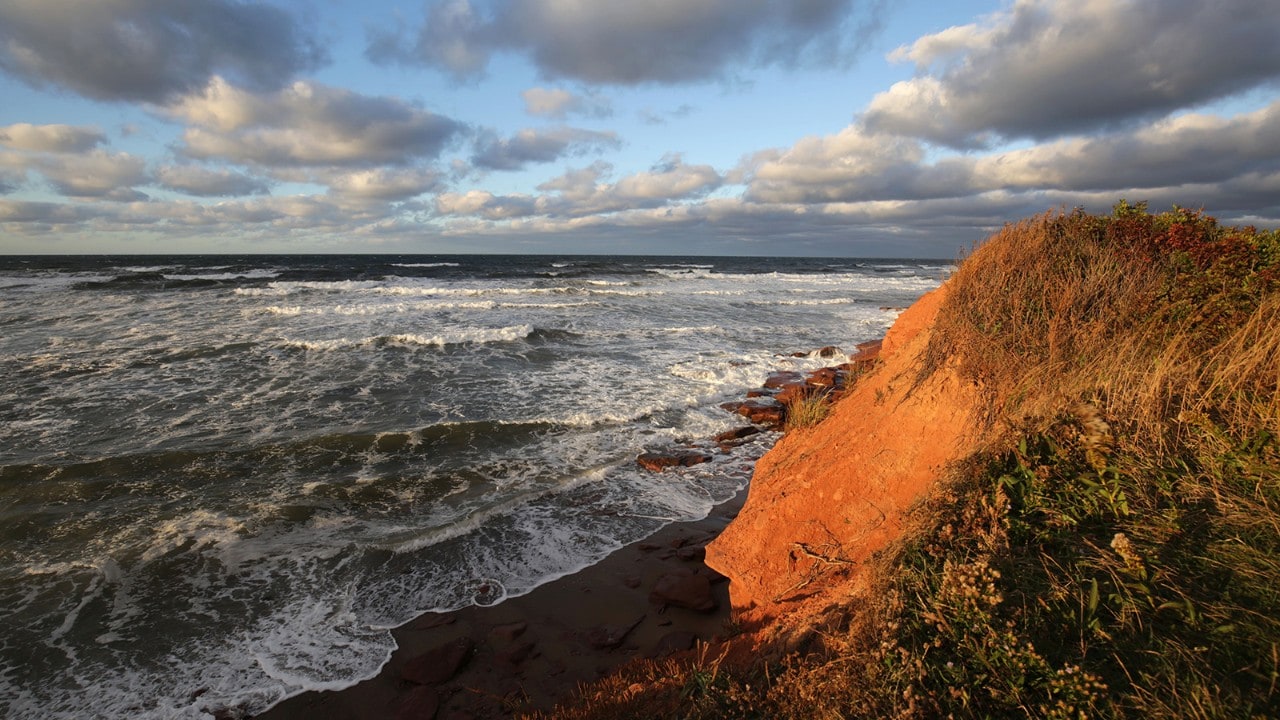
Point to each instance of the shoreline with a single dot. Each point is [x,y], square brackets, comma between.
[530,652]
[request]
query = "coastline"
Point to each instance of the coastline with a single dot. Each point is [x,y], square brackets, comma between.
[530,652]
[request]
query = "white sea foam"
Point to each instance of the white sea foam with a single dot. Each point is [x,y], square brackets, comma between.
[459,337]
[426,265]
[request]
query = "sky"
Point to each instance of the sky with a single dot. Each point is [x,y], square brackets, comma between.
[839,128]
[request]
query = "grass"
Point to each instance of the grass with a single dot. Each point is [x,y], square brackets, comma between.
[807,411]
[1115,552]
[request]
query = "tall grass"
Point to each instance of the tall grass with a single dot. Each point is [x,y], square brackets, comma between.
[1116,553]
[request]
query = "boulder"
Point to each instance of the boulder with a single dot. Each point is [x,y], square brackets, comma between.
[761,411]
[657,462]
[420,703]
[685,590]
[438,664]
[608,637]
[672,643]
[737,433]
[827,377]
[782,377]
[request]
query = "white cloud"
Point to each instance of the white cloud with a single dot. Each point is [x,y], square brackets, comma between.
[209,182]
[559,103]
[539,146]
[50,138]
[309,124]
[384,183]
[627,43]
[150,50]
[1045,68]
[584,192]
[97,174]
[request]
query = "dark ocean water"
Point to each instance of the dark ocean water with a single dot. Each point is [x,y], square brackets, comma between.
[223,479]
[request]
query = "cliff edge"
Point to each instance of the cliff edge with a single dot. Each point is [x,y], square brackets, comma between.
[825,499]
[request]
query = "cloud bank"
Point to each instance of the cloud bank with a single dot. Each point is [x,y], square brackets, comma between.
[152,50]
[623,42]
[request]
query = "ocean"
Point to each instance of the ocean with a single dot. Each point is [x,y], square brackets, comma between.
[223,479]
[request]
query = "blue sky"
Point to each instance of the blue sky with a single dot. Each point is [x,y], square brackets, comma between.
[755,127]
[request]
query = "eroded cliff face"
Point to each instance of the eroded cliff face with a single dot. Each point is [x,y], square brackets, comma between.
[826,498]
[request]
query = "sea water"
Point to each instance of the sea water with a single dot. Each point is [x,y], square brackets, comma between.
[224,479]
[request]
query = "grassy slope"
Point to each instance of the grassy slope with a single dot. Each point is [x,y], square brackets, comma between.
[1117,553]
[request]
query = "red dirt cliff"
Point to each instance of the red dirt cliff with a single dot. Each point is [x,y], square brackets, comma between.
[826,498]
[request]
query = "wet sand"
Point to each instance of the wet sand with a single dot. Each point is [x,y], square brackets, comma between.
[529,652]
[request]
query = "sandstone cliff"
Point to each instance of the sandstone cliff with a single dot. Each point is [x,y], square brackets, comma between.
[824,499]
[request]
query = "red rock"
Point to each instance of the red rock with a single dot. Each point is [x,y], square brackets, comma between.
[514,656]
[829,351]
[737,433]
[825,377]
[691,554]
[767,412]
[608,637]
[793,392]
[782,377]
[673,642]
[685,590]
[438,664]
[657,462]
[851,481]
[509,631]
[420,703]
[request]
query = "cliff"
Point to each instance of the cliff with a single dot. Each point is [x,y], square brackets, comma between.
[826,498]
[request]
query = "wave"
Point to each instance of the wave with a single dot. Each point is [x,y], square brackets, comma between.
[426,265]
[474,336]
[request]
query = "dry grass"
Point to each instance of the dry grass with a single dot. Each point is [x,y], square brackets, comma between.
[1119,554]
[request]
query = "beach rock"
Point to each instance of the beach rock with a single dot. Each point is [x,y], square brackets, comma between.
[608,637]
[685,590]
[692,553]
[509,631]
[420,703]
[657,462]
[829,351]
[767,412]
[793,392]
[513,657]
[673,642]
[781,378]
[438,664]
[737,433]
[827,377]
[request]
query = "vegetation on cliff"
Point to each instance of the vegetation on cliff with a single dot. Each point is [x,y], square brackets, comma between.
[1115,552]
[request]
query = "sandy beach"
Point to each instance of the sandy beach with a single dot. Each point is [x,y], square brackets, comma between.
[529,652]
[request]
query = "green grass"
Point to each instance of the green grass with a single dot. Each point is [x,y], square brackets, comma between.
[1116,551]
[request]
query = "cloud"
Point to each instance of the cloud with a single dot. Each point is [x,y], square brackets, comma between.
[856,166]
[623,42]
[1045,68]
[206,182]
[484,204]
[539,146]
[151,50]
[384,183]
[50,138]
[559,104]
[584,192]
[97,174]
[309,124]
